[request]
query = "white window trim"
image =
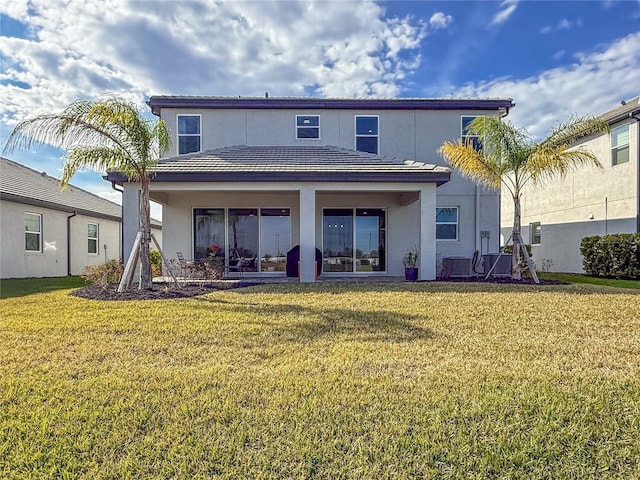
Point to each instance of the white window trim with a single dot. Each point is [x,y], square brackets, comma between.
[456,223]
[178,134]
[356,136]
[96,238]
[39,215]
[614,148]
[532,227]
[464,135]
[302,126]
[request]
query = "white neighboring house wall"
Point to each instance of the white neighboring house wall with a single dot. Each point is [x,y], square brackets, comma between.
[52,259]
[588,201]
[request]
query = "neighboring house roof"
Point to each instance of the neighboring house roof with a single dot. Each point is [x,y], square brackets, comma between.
[627,109]
[177,101]
[322,163]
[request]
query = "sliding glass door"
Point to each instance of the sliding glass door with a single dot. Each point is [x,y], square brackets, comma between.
[342,228]
[259,238]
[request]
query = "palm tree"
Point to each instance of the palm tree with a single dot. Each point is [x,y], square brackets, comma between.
[510,159]
[107,134]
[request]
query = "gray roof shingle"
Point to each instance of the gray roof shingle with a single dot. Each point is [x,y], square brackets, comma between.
[24,185]
[293,163]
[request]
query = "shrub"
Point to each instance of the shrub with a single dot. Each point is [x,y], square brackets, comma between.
[613,256]
[156,263]
[103,275]
[523,261]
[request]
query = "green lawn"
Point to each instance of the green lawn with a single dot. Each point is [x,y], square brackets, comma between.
[18,287]
[577,278]
[348,381]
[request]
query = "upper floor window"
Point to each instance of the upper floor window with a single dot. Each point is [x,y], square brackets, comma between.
[620,145]
[92,238]
[307,126]
[189,136]
[367,134]
[465,120]
[535,233]
[32,232]
[447,223]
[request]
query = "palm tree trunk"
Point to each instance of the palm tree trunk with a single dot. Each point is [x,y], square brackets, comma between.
[515,235]
[146,281]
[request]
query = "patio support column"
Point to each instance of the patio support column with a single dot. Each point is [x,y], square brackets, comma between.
[130,217]
[427,267]
[307,234]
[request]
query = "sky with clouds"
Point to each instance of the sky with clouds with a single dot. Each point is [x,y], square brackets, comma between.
[553,58]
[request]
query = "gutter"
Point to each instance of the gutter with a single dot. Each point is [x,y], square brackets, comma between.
[69,217]
[634,115]
[120,223]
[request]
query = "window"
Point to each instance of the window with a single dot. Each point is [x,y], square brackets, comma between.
[33,232]
[307,126]
[344,227]
[92,238]
[620,145]
[535,233]
[464,125]
[367,134]
[188,133]
[447,223]
[275,238]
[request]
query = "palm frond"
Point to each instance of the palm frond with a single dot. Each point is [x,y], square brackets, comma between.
[547,163]
[471,163]
[575,128]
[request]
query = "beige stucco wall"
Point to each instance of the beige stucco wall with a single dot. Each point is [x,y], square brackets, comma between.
[588,201]
[52,260]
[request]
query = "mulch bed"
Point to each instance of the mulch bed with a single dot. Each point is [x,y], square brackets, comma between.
[160,291]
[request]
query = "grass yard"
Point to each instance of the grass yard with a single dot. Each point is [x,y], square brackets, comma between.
[348,381]
[19,287]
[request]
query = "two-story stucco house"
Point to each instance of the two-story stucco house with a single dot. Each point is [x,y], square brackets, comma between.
[358,182]
[588,201]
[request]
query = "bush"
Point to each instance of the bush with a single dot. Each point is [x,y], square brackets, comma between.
[612,256]
[156,263]
[523,261]
[103,275]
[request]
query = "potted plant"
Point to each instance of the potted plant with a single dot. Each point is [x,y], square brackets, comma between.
[410,262]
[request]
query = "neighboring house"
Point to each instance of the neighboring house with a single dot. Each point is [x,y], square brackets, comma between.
[358,181]
[588,201]
[48,233]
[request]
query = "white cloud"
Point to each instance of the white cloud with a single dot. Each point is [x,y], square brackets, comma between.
[593,85]
[507,9]
[440,20]
[563,24]
[141,48]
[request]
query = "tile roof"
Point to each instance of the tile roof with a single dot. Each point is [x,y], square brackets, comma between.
[293,163]
[24,185]
[622,111]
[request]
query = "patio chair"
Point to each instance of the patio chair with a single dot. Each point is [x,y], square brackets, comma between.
[187,267]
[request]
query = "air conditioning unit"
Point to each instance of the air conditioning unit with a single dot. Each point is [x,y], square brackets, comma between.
[456,267]
[502,263]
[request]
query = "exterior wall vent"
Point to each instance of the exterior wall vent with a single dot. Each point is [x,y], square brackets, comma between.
[456,267]
[502,268]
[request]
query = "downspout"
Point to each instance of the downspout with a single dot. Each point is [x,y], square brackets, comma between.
[69,217]
[121,230]
[634,115]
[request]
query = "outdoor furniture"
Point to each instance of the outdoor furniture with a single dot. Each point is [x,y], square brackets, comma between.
[187,267]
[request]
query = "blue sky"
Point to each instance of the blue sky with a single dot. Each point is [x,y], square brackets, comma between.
[553,58]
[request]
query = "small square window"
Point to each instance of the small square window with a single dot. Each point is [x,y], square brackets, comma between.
[535,233]
[447,223]
[307,126]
